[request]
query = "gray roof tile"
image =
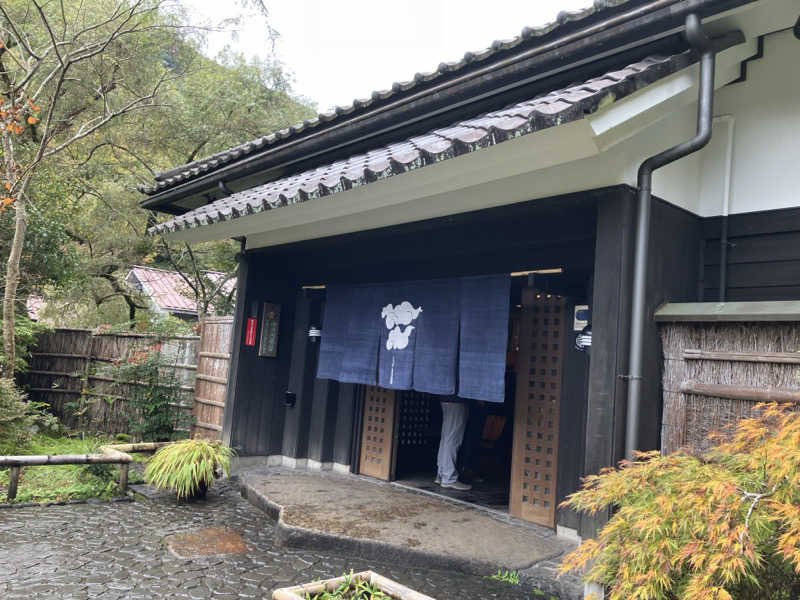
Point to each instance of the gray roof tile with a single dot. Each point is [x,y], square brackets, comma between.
[549,110]
[172,177]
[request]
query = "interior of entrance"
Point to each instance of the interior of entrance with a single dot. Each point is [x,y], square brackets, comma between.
[488,453]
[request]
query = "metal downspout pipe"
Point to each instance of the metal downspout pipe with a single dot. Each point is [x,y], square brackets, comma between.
[701,43]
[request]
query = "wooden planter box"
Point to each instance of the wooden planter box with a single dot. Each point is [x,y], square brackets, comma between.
[387,586]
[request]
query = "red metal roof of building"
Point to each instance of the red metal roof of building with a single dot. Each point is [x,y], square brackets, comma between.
[168,290]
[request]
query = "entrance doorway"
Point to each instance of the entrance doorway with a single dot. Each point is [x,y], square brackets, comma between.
[510,450]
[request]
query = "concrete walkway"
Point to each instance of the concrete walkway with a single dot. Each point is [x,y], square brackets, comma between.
[367,518]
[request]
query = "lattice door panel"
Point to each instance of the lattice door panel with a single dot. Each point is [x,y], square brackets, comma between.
[414,418]
[377,435]
[538,397]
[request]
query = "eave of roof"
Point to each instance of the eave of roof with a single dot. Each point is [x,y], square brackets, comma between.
[172,177]
[546,111]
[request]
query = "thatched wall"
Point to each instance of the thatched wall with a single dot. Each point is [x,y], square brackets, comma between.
[689,418]
[72,367]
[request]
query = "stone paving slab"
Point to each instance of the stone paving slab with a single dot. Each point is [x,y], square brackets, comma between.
[362,517]
[113,551]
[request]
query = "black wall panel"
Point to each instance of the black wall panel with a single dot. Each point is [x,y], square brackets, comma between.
[763,256]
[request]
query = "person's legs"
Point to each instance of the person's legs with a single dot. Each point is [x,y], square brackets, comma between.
[454,421]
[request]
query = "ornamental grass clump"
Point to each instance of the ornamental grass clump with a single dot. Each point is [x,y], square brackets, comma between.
[189,467]
[723,525]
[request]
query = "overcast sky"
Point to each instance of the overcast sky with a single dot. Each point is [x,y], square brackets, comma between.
[339,50]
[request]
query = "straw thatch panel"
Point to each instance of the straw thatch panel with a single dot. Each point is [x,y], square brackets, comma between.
[212,376]
[688,419]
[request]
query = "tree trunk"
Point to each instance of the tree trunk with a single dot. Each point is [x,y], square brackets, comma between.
[12,280]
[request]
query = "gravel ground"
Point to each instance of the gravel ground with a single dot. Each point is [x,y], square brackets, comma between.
[115,550]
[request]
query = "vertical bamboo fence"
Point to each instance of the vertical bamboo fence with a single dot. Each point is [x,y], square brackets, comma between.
[715,374]
[211,382]
[69,371]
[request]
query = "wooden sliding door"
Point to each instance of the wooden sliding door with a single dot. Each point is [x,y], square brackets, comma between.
[536,414]
[378,439]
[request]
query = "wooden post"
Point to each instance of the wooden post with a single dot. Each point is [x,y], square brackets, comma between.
[13,482]
[123,477]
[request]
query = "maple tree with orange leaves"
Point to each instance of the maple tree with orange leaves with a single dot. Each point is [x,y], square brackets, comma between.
[724,525]
[63,79]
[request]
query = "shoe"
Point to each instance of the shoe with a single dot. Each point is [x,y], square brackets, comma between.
[457,485]
[438,480]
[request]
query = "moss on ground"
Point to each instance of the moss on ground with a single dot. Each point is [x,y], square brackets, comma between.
[55,483]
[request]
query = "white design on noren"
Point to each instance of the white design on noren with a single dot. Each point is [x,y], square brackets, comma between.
[402,314]
[398,338]
[395,317]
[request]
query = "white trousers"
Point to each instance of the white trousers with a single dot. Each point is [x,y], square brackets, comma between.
[454,422]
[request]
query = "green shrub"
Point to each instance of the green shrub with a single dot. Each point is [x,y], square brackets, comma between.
[26,333]
[20,418]
[720,526]
[154,394]
[189,466]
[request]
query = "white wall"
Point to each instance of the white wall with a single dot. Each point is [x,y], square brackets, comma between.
[763,116]
[766,149]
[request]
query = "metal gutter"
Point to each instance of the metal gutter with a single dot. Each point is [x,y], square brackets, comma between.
[625,30]
[708,49]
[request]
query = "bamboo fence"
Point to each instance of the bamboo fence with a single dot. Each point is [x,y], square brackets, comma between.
[211,383]
[715,374]
[71,367]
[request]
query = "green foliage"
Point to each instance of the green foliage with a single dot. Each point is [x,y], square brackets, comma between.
[189,466]
[55,483]
[85,225]
[49,256]
[721,526]
[154,395]
[25,334]
[19,418]
[351,588]
[506,576]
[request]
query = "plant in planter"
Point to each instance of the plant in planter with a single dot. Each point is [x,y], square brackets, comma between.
[189,467]
[358,586]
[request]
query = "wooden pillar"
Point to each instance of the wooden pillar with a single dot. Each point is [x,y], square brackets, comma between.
[123,477]
[13,482]
[231,395]
[606,401]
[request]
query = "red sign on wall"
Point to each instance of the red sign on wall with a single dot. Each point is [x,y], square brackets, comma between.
[250,332]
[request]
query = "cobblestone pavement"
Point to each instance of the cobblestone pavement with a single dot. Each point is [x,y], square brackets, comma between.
[116,550]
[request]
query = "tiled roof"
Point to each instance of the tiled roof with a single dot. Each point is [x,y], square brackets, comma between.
[549,110]
[172,177]
[169,290]
[34,305]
